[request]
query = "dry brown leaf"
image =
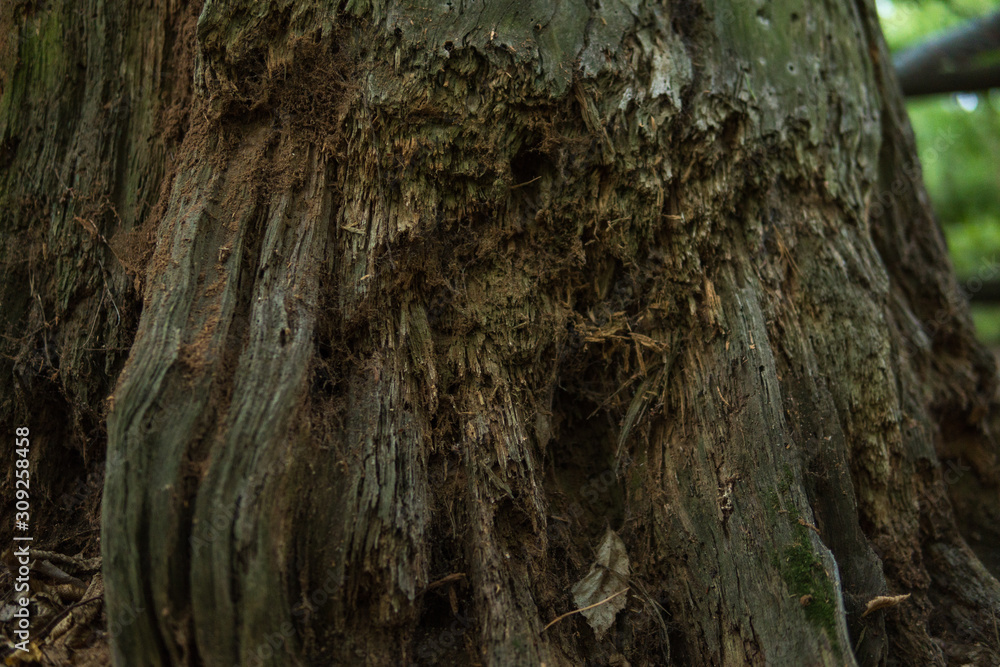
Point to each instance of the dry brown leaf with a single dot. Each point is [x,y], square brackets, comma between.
[882,602]
[598,592]
[29,657]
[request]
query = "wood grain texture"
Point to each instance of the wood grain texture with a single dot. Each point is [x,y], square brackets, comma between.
[457,287]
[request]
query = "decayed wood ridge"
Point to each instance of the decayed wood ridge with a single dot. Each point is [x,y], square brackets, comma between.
[456,289]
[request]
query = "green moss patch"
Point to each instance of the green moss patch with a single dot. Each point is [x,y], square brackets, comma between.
[807,579]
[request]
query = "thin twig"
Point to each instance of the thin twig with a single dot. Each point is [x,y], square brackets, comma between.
[444,580]
[521,185]
[104,275]
[723,397]
[38,637]
[576,611]
[803,522]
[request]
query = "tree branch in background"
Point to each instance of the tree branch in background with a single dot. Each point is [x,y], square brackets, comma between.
[982,292]
[944,64]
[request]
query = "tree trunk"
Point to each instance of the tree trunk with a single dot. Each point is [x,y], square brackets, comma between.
[441,304]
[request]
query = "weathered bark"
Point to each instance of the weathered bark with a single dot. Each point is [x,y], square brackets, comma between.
[439,294]
[93,98]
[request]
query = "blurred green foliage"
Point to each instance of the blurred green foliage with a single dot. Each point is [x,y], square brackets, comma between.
[958,138]
[987,320]
[909,22]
